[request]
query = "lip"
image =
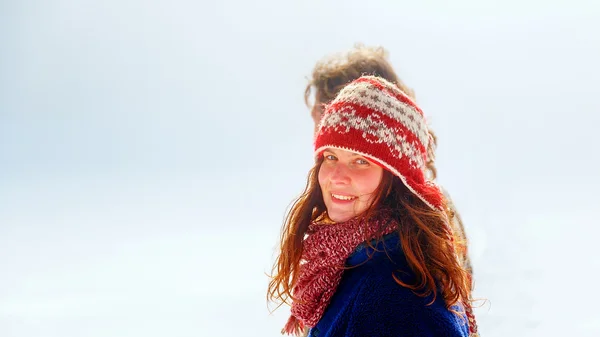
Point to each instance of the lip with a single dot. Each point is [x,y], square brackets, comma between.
[341,201]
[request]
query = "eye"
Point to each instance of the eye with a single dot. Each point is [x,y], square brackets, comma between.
[329,157]
[361,161]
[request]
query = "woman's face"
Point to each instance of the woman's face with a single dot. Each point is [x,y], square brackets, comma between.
[348,182]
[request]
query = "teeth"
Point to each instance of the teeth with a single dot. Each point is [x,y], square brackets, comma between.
[342,197]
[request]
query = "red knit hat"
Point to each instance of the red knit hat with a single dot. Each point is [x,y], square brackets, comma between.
[372,117]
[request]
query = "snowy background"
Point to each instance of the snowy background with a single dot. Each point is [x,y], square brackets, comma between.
[149,150]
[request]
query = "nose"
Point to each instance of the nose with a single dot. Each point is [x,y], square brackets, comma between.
[339,174]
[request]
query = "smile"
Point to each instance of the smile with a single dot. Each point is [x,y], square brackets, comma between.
[342,197]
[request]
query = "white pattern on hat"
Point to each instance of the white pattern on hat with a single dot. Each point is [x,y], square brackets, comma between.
[372,125]
[368,95]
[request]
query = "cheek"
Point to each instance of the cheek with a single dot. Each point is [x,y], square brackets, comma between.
[370,182]
[322,177]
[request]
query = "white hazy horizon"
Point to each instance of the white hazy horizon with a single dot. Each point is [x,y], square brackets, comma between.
[149,151]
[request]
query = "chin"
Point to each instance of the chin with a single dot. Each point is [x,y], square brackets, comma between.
[340,217]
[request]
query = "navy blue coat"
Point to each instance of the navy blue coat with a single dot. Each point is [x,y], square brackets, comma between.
[369,303]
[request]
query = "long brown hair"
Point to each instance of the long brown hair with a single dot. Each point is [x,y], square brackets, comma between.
[308,207]
[424,234]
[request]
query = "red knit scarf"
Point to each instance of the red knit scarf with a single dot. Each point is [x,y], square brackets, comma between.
[325,251]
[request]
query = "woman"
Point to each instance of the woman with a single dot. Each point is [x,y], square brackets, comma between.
[367,249]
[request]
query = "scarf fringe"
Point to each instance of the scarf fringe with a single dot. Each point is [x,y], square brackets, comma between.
[471,319]
[293,326]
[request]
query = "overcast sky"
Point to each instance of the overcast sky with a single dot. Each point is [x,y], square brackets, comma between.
[149,150]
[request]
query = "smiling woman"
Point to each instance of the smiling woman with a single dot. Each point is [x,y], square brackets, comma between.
[367,249]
